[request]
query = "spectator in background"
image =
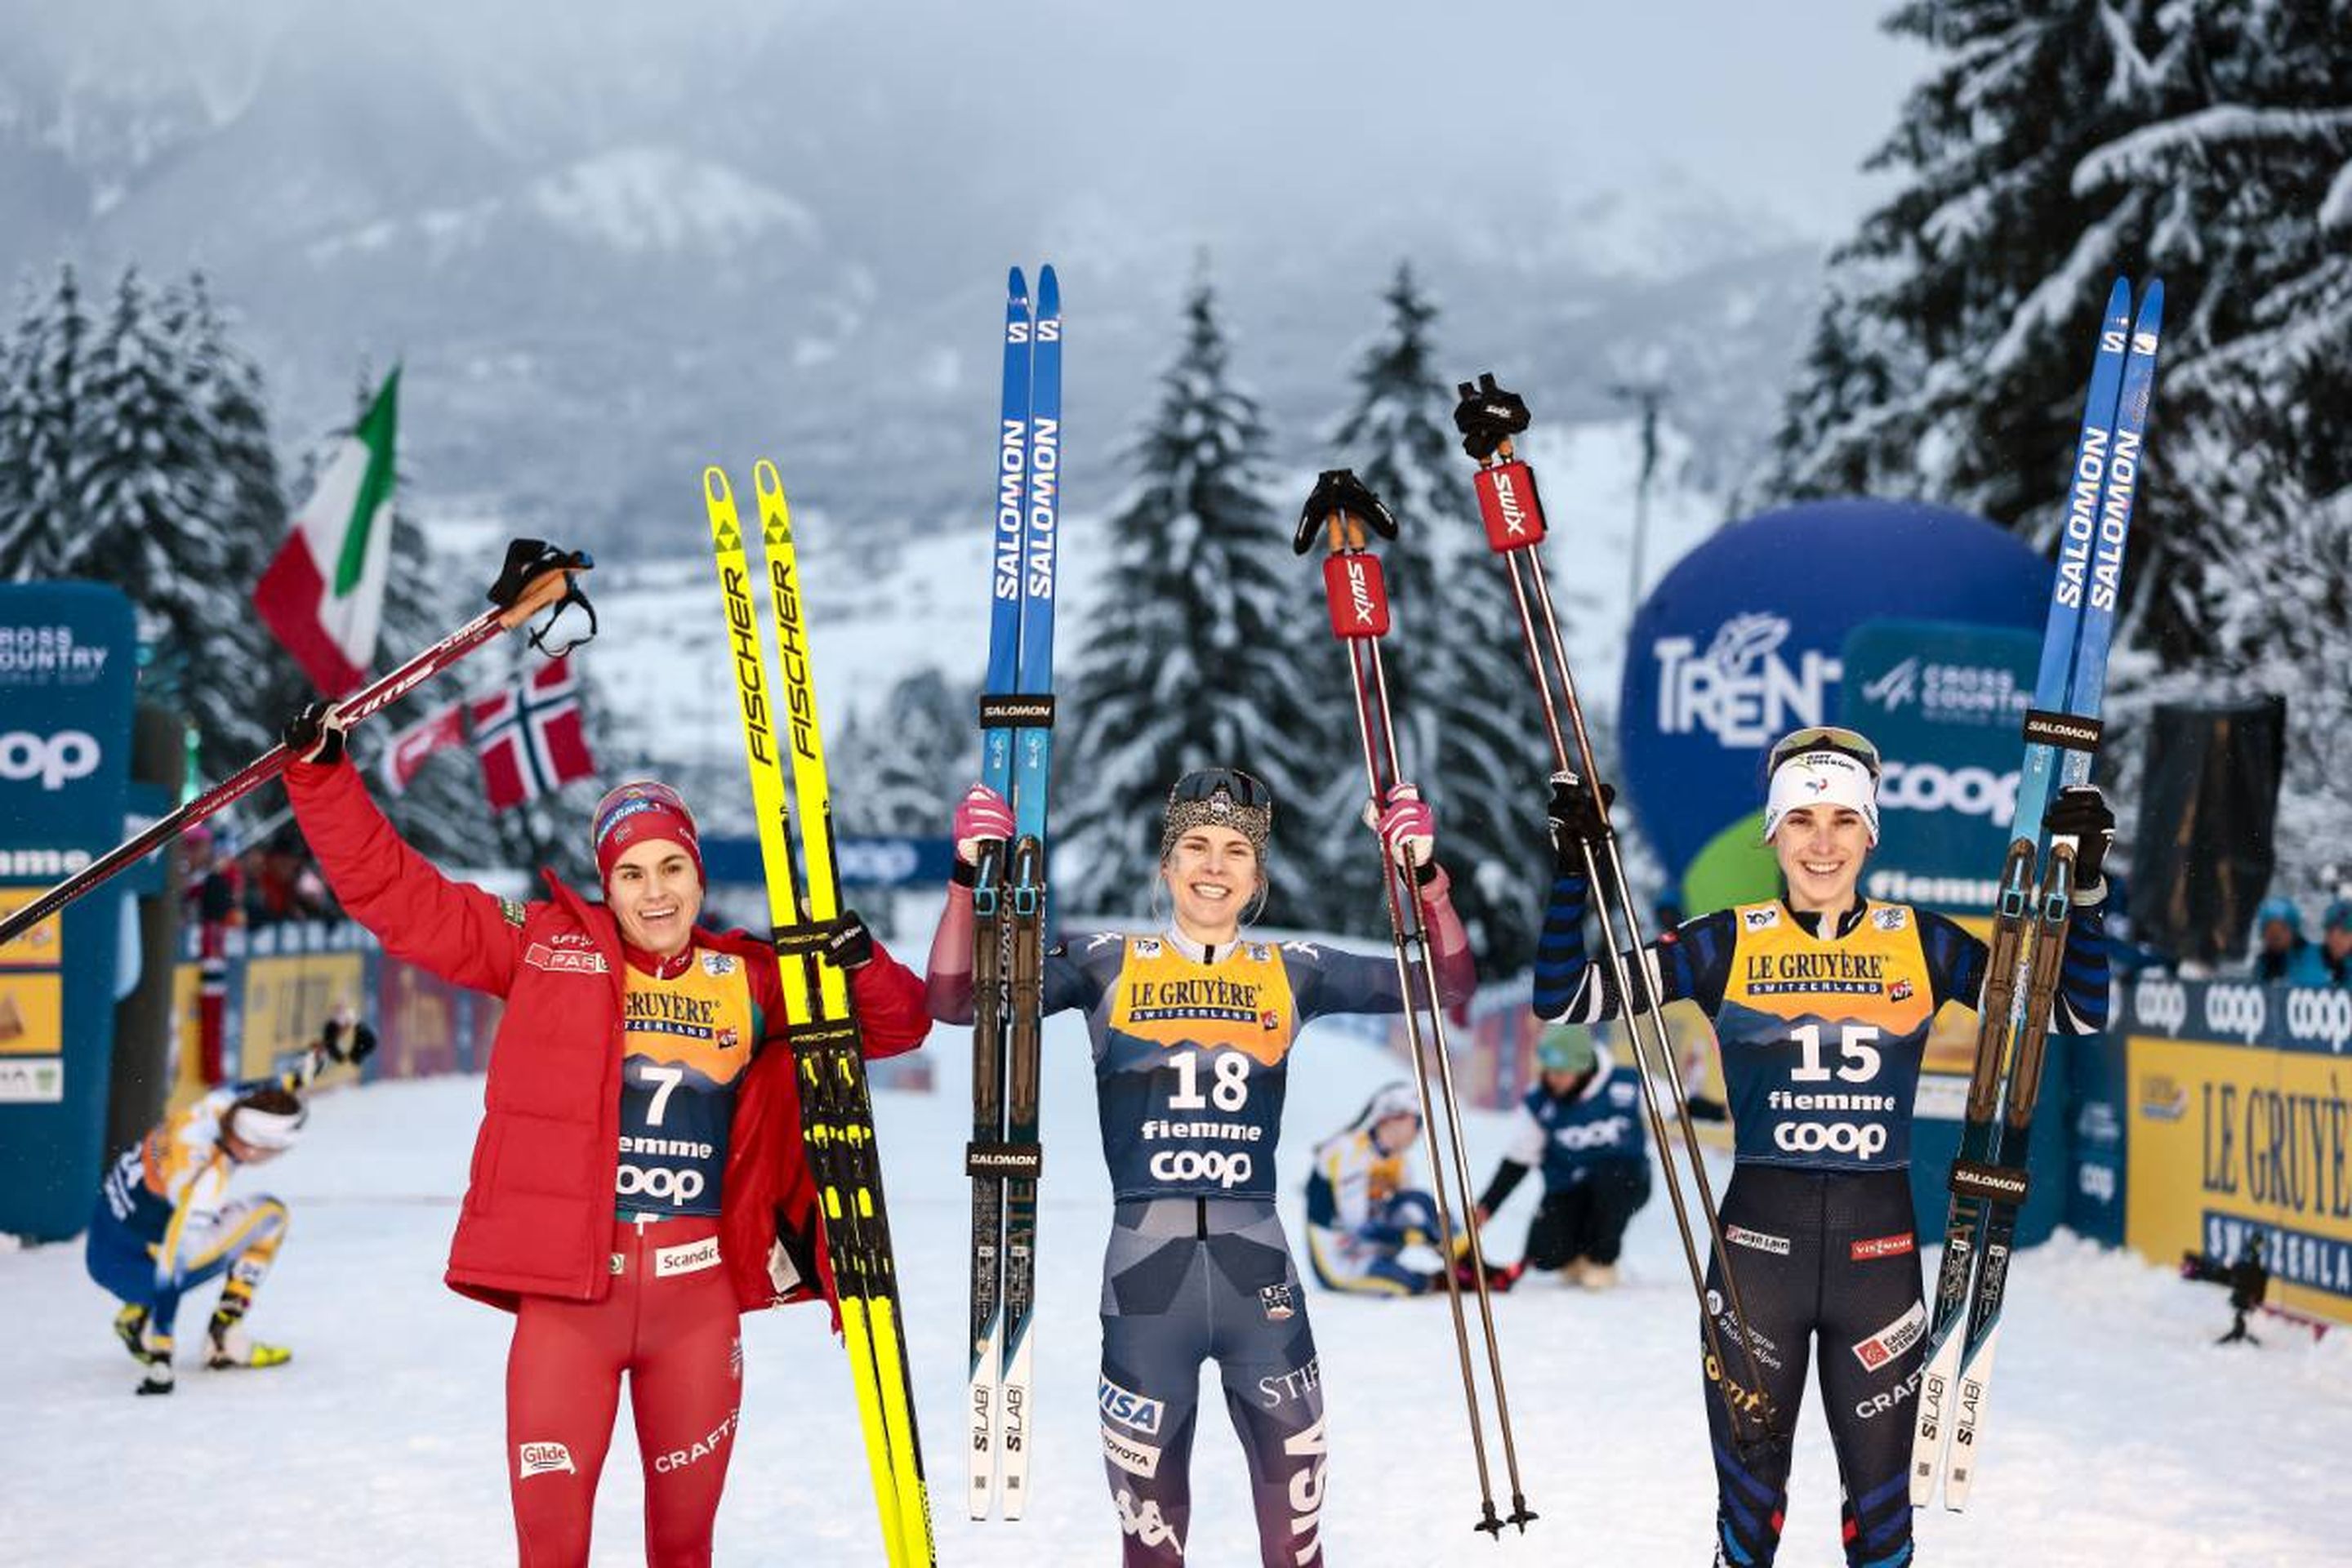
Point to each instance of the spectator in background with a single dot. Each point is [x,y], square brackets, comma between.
[2282,953]
[2335,942]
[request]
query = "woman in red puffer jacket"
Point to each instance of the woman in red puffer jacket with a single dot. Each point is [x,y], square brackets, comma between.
[638,1180]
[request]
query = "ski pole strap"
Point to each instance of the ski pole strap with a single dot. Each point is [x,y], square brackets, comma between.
[1016,709]
[997,1158]
[1509,506]
[1488,415]
[2069,732]
[1994,1184]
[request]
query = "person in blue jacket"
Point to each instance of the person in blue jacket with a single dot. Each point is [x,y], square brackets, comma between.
[1581,1126]
[2282,954]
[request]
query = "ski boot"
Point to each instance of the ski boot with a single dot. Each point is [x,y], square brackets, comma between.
[227,1345]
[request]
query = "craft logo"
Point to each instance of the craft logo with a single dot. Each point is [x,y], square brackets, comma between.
[1740,690]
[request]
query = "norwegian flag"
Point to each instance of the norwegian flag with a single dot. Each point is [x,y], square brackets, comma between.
[438,731]
[532,737]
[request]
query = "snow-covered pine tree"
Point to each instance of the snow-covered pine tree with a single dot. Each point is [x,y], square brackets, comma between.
[2057,144]
[1206,650]
[1470,732]
[148,521]
[44,368]
[908,763]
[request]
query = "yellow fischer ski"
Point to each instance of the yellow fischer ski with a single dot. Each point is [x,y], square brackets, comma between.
[804,902]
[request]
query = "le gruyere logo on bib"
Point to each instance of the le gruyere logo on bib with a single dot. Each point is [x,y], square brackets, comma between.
[1832,970]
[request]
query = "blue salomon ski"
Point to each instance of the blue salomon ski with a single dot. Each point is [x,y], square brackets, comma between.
[2022,977]
[1008,899]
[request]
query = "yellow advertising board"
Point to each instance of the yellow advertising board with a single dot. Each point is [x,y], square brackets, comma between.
[286,1000]
[2229,1140]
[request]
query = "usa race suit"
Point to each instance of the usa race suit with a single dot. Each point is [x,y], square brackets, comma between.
[1821,1032]
[1191,1051]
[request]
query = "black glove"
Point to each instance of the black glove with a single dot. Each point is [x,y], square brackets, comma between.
[1578,817]
[316,734]
[351,1042]
[2082,814]
[849,944]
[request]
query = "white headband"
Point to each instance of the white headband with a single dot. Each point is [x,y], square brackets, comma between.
[1822,778]
[266,1129]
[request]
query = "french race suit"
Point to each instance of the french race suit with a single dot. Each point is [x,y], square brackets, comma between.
[1595,1158]
[1360,1216]
[1821,1031]
[638,1179]
[165,1222]
[1191,1052]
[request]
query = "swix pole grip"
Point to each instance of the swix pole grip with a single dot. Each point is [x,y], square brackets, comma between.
[1355,595]
[1509,506]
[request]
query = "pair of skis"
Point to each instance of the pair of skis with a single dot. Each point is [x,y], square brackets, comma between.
[2029,933]
[803,906]
[1017,717]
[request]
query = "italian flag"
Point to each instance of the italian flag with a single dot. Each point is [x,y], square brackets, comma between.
[323,591]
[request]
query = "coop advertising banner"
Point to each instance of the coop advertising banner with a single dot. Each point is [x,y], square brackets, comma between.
[67,652]
[1944,701]
[2240,1124]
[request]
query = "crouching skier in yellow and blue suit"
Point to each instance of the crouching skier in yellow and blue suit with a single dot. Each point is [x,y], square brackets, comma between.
[165,1224]
[1821,1001]
[1359,1214]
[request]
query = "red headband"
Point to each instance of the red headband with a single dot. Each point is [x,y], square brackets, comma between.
[639,811]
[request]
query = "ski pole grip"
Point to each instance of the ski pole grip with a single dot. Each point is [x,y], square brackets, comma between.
[1355,595]
[1509,506]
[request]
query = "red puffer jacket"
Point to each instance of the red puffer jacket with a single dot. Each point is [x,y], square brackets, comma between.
[537,1214]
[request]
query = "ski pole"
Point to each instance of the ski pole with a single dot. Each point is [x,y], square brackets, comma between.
[1489,417]
[536,576]
[1339,508]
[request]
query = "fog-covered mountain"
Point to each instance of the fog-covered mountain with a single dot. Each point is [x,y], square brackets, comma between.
[610,244]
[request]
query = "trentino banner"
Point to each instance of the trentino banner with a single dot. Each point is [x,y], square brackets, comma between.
[1745,639]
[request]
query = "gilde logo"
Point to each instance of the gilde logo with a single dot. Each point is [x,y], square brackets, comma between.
[55,760]
[2316,1017]
[2236,1010]
[2161,1006]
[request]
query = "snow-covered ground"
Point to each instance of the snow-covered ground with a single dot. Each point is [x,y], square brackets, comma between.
[2119,1434]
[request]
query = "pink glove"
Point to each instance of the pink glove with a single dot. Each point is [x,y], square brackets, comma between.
[1407,826]
[981,815]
